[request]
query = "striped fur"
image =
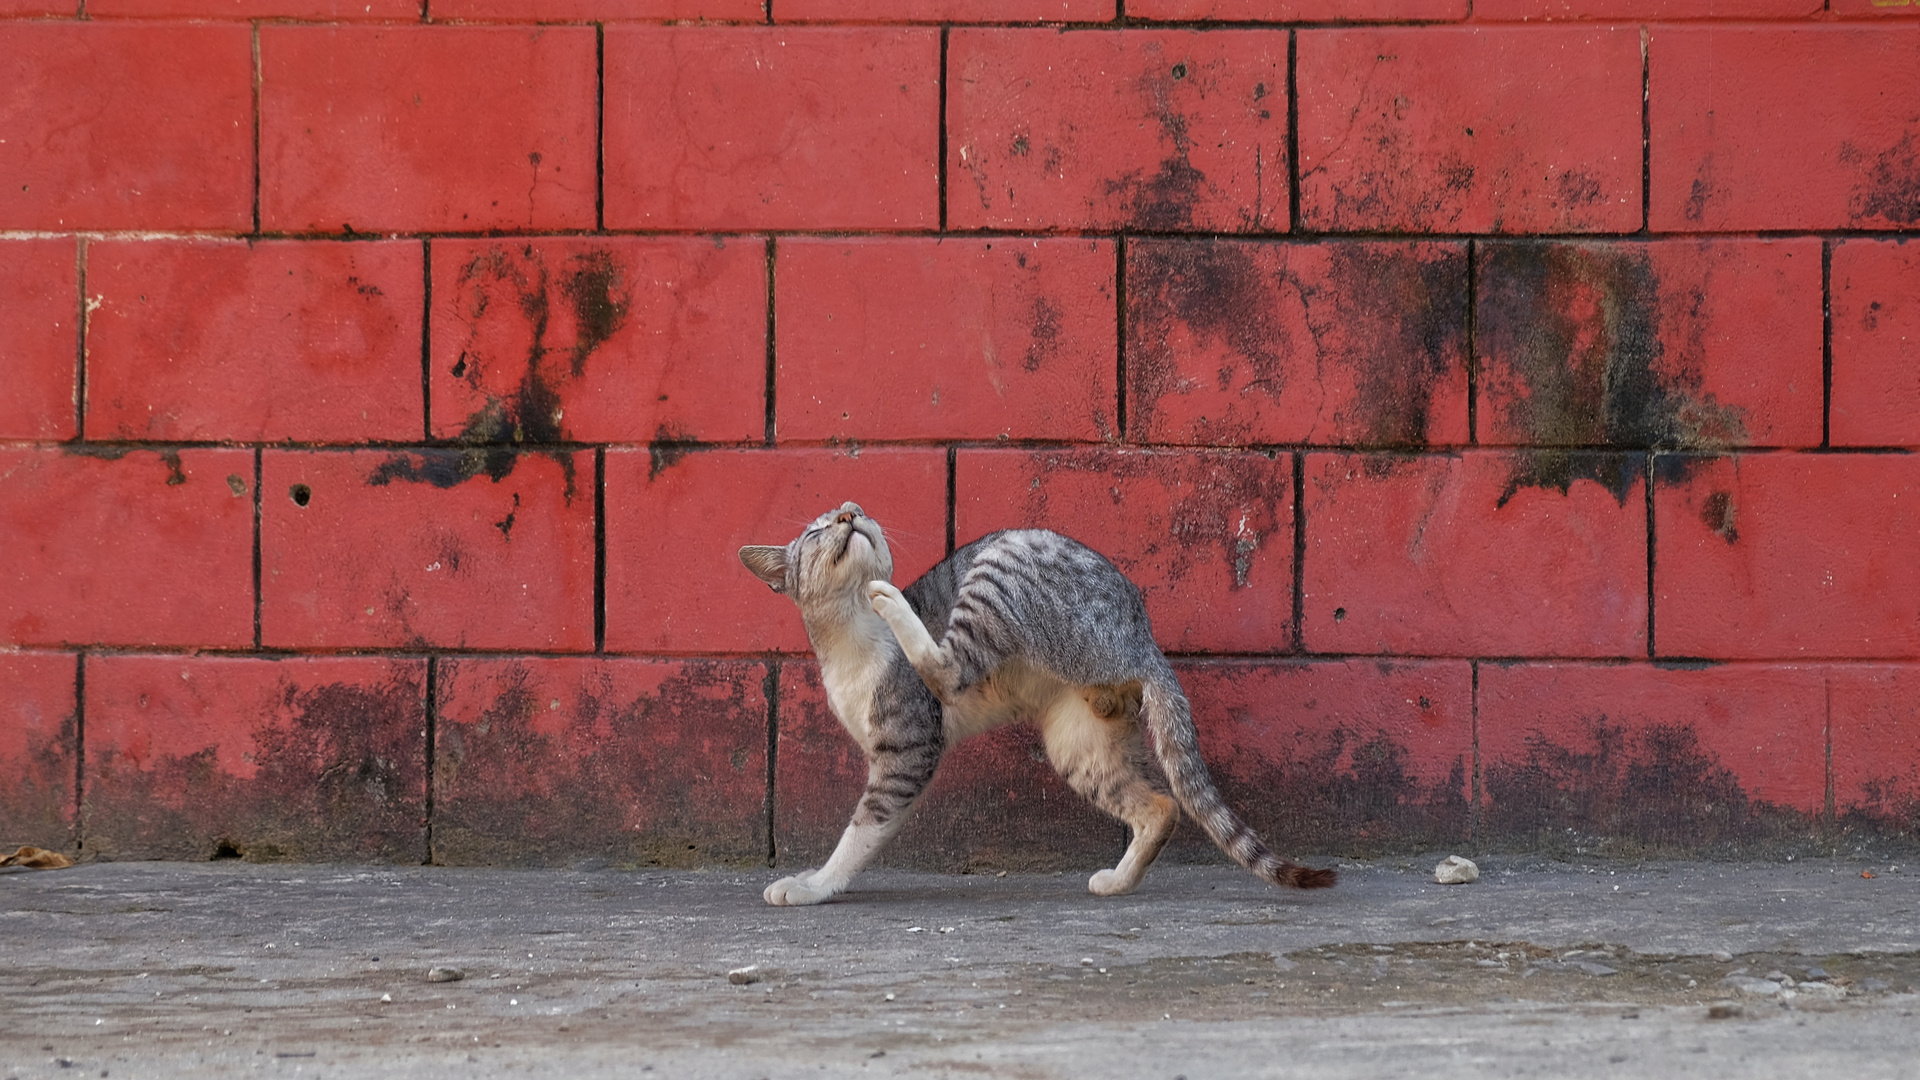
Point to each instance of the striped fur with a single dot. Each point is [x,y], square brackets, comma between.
[1022,625]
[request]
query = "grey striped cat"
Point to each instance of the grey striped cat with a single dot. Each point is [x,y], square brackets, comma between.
[1031,626]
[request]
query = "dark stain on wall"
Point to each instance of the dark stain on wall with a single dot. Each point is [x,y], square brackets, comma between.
[1717,513]
[1043,321]
[1165,200]
[599,301]
[639,781]
[1556,470]
[343,779]
[668,447]
[1578,330]
[1235,511]
[1891,189]
[1575,332]
[1394,317]
[1647,789]
[36,802]
[1888,809]
[1347,790]
[1220,292]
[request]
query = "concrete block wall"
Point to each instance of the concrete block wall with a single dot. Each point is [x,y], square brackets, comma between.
[1507,406]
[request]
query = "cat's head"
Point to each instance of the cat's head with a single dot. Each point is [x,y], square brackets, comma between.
[834,558]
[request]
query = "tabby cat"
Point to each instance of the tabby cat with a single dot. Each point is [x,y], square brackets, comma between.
[1018,625]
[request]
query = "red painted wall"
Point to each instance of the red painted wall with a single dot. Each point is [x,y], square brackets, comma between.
[1507,407]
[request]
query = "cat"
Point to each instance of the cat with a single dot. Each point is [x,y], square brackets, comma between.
[1020,625]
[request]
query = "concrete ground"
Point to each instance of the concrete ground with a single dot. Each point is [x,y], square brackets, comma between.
[1795,969]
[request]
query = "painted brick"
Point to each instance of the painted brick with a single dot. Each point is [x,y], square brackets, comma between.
[1875,8]
[38,338]
[914,339]
[1650,757]
[1876,338]
[619,339]
[995,804]
[1299,10]
[1146,129]
[1336,755]
[1874,713]
[1787,555]
[944,11]
[305,759]
[476,548]
[1685,343]
[126,547]
[1567,10]
[17,8]
[277,340]
[1206,535]
[1480,554]
[330,10]
[1392,138]
[1784,127]
[370,129]
[772,128]
[677,518]
[126,127]
[542,760]
[1238,342]
[39,749]
[550,11]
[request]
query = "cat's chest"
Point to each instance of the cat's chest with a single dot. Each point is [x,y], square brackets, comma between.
[852,672]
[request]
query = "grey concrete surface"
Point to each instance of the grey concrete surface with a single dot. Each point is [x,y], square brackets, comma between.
[1540,969]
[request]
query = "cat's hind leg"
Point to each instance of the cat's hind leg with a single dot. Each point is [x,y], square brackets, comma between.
[1093,740]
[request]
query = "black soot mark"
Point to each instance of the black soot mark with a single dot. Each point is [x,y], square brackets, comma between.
[1043,321]
[1717,513]
[1395,317]
[1891,188]
[1237,511]
[597,298]
[1577,331]
[666,450]
[1347,788]
[617,758]
[1651,786]
[176,475]
[1165,200]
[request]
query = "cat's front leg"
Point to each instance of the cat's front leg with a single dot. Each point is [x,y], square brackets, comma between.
[918,645]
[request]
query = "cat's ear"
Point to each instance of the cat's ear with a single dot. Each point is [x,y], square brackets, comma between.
[769,564]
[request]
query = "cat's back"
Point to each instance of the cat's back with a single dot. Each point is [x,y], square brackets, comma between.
[1035,579]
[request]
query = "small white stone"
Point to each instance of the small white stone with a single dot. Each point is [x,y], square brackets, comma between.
[1454,870]
[744,976]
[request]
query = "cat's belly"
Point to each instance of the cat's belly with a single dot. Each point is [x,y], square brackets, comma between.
[1013,693]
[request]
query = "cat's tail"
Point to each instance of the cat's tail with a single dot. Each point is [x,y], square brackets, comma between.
[1178,745]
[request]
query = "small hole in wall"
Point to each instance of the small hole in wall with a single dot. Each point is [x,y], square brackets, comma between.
[1339,614]
[226,850]
[302,494]
[1179,71]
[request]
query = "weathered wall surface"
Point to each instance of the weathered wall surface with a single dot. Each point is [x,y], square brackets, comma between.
[1507,406]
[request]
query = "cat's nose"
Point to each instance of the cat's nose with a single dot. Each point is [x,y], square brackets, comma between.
[848,511]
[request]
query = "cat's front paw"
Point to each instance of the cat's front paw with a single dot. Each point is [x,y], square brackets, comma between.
[887,601]
[1111,883]
[794,892]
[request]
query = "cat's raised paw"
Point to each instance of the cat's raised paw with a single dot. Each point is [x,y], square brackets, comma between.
[1110,883]
[794,892]
[883,596]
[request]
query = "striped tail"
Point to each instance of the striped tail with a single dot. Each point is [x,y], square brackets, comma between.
[1171,722]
